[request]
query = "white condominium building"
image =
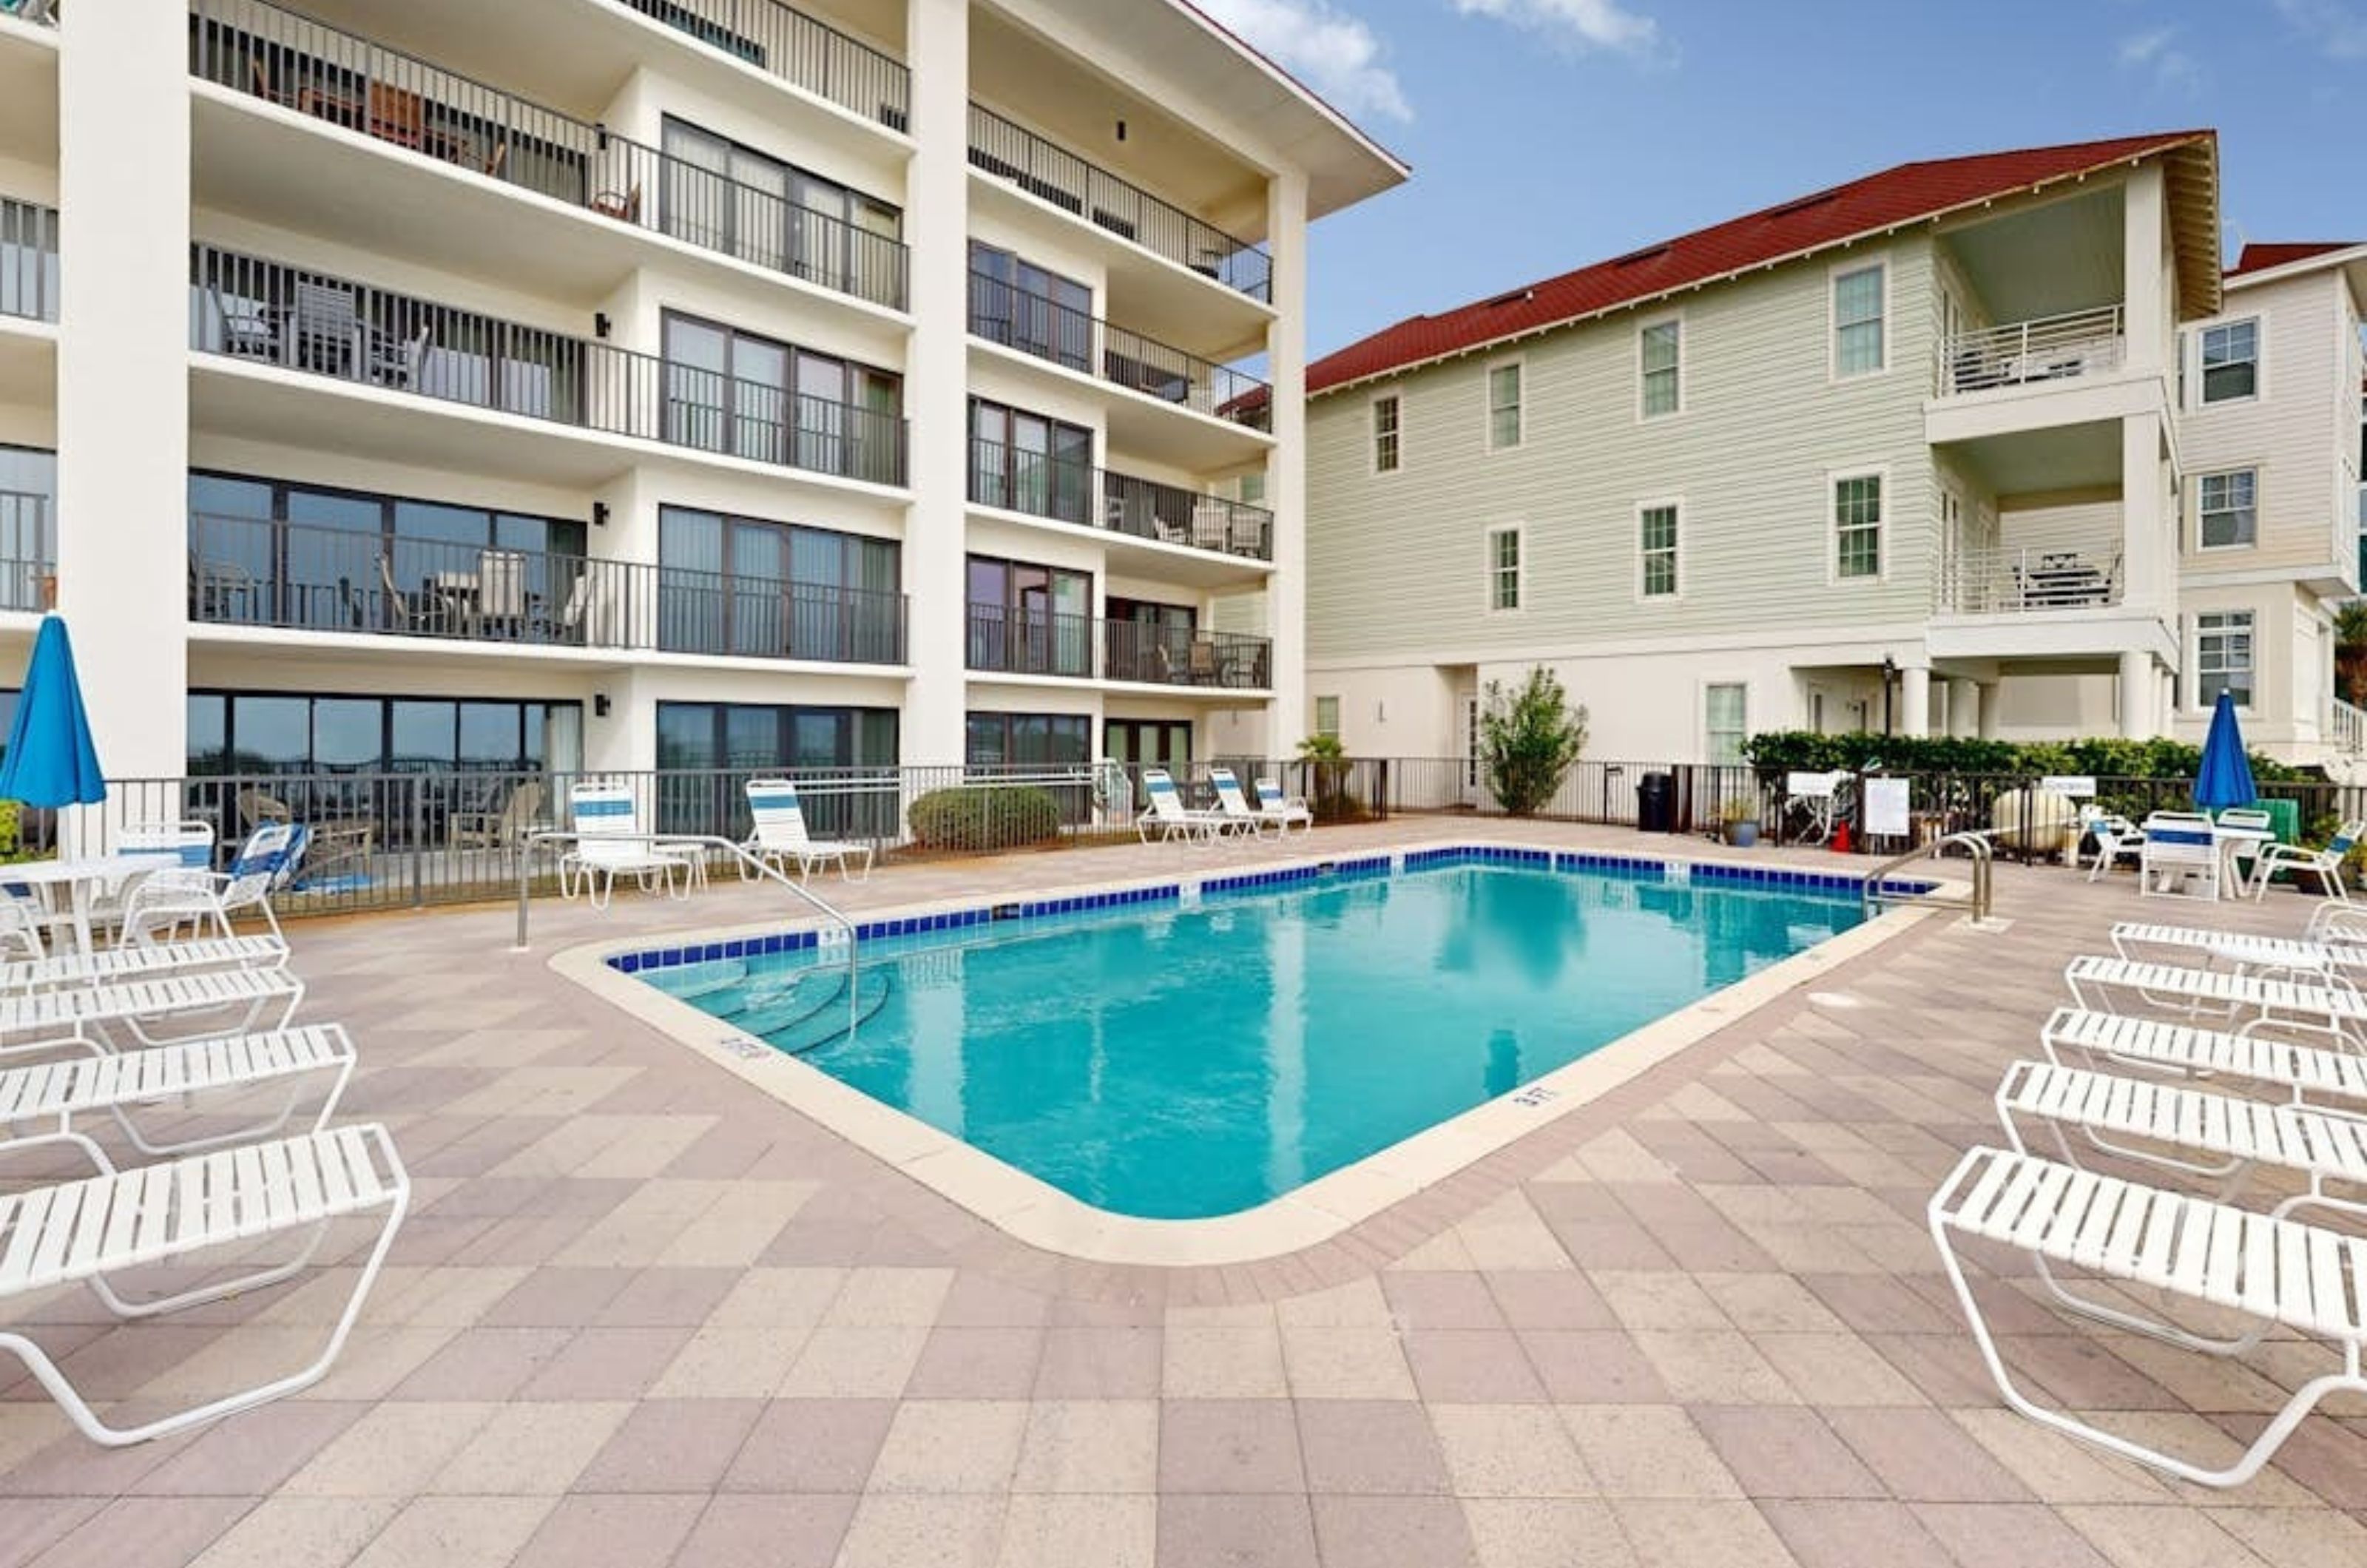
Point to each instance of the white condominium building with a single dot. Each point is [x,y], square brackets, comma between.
[1983,445]
[620,384]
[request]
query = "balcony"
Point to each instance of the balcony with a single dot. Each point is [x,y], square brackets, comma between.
[2050,348]
[265,313]
[1039,485]
[1005,641]
[442,117]
[2014,581]
[808,54]
[1052,174]
[246,572]
[28,261]
[28,551]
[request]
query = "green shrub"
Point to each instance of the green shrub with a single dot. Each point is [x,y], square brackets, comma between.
[1777,752]
[984,816]
[1529,740]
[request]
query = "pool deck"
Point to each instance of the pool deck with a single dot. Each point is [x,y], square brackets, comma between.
[645,1314]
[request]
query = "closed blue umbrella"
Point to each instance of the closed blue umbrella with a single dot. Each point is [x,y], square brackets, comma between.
[2224,778]
[50,759]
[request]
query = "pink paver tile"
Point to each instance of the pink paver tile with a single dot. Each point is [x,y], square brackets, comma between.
[678,1445]
[144,1532]
[977,1363]
[1471,1366]
[1387,1532]
[484,1363]
[252,1455]
[1248,1531]
[1099,1362]
[2008,1535]
[1380,1446]
[812,1445]
[1422,1301]
[1846,1533]
[611,1532]
[1923,1457]
[606,1363]
[667,1298]
[768,1532]
[1545,1298]
[1229,1446]
[1594,1367]
[1777,1451]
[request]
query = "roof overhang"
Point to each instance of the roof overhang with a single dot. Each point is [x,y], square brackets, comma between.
[2192,199]
[2351,260]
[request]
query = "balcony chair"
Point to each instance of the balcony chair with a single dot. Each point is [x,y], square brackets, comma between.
[501,593]
[401,614]
[396,360]
[503,829]
[248,328]
[623,205]
[397,116]
[328,328]
[1211,523]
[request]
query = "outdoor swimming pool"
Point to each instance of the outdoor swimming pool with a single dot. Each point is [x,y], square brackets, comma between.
[1182,1053]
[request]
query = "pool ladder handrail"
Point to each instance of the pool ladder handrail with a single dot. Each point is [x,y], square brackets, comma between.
[1872,893]
[764,870]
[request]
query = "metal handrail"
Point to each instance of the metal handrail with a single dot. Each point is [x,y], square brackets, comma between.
[764,870]
[1976,844]
[29,260]
[2047,348]
[1001,311]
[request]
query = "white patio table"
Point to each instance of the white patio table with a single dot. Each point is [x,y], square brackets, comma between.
[77,880]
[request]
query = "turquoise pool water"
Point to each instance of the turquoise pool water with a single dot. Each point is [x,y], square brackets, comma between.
[1179,1063]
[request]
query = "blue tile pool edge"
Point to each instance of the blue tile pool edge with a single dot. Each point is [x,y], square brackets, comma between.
[1639,868]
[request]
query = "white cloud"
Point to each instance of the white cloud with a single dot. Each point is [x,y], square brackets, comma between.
[2337,29]
[2156,54]
[1334,52]
[1580,24]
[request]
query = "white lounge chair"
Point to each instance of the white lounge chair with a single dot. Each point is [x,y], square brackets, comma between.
[2277,1272]
[781,837]
[59,1092]
[2178,848]
[84,1012]
[2245,949]
[109,964]
[1284,811]
[1166,813]
[2302,1075]
[610,842]
[1234,807]
[182,900]
[97,1230]
[2325,863]
[21,921]
[2325,1004]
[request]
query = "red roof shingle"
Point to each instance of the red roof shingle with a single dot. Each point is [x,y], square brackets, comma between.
[1902,195]
[2260,255]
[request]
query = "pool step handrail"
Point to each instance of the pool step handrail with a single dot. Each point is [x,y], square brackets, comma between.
[1876,891]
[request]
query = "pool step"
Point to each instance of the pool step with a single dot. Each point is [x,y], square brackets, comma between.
[692,981]
[833,1020]
[784,1002]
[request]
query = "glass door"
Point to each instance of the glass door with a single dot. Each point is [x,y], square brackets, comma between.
[698,361]
[822,414]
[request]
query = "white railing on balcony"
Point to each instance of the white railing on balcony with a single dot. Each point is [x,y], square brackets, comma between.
[2051,348]
[2346,727]
[2016,580]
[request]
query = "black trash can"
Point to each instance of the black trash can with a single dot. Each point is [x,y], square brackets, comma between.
[1656,802]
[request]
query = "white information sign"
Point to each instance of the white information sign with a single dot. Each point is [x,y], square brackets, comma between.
[2079,787]
[1885,808]
[1812,786]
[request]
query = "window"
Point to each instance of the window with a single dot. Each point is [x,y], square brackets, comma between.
[1857,321]
[292,733]
[827,746]
[1036,311]
[726,196]
[1030,620]
[1657,347]
[2231,361]
[2227,509]
[743,586]
[1030,462]
[1726,719]
[1657,533]
[1504,569]
[1504,407]
[1327,716]
[2223,657]
[1385,435]
[1857,526]
[728,391]
[1251,488]
[1143,640]
[1029,740]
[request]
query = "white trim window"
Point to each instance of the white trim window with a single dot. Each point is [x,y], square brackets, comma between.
[1504,397]
[1504,569]
[1857,528]
[1726,722]
[1655,545]
[1251,488]
[2223,657]
[1327,717]
[1659,355]
[1389,415]
[1859,304]
[2231,361]
[2227,509]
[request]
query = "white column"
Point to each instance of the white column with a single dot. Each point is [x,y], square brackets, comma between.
[1287,470]
[1915,701]
[2148,282]
[2137,687]
[123,381]
[937,375]
[2149,534]
[1982,709]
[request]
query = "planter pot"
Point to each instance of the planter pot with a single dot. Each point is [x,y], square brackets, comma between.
[1742,835]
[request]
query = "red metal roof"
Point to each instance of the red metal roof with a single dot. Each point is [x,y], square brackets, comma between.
[1903,195]
[2260,255]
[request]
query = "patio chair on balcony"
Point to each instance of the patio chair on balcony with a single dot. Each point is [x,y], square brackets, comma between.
[623,205]
[248,328]
[401,614]
[1212,522]
[501,591]
[503,829]
[328,328]
[396,360]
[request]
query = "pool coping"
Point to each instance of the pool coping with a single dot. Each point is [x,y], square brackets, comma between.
[1034,1212]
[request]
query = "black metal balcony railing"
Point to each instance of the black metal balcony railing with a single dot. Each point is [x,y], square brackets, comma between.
[266,313]
[1044,486]
[290,60]
[28,551]
[29,260]
[801,51]
[1017,317]
[261,572]
[1006,641]
[1050,172]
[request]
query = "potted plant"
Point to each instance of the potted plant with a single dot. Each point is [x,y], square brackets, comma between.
[1741,820]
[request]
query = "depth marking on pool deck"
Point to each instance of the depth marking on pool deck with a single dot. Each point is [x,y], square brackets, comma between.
[1036,1213]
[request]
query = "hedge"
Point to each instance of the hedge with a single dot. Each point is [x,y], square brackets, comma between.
[985,816]
[1780,752]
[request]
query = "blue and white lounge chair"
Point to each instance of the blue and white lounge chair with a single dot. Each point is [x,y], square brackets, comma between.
[781,837]
[1167,814]
[2178,847]
[2325,863]
[180,899]
[1233,806]
[609,841]
[1284,811]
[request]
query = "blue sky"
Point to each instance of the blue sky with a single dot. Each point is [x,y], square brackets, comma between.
[1548,133]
